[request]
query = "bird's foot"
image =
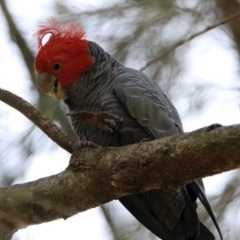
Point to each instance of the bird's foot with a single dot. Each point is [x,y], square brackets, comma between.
[102,120]
[84,144]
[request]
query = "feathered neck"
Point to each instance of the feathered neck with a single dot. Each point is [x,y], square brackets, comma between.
[99,76]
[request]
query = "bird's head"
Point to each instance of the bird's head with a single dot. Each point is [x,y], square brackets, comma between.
[62,59]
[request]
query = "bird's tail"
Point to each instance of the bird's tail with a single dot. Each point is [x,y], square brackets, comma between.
[199,191]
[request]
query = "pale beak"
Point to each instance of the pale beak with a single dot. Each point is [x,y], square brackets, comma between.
[50,85]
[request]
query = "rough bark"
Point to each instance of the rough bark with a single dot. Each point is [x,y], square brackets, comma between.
[98,175]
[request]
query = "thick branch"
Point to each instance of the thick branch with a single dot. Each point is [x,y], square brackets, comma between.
[48,127]
[100,175]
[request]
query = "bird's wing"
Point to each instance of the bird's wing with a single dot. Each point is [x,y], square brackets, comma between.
[147,103]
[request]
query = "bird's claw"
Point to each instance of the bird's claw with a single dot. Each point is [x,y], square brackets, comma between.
[102,120]
[84,144]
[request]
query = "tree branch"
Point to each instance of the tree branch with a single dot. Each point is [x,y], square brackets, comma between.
[100,175]
[19,40]
[48,127]
[103,174]
[228,19]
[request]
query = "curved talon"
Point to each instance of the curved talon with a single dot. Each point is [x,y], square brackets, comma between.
[111,123]
[84,144]
[102,120]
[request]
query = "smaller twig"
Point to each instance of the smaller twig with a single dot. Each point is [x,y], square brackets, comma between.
[48,127]
[19,40]
[181,42]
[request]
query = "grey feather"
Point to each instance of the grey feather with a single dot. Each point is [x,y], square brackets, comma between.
[147,114]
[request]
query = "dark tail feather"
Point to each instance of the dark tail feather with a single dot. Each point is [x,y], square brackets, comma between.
[204,233]
[202,197]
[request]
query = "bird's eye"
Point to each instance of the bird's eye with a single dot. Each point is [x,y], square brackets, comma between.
[56,66]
